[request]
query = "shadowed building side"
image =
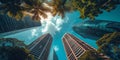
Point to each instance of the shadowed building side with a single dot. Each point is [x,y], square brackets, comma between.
[40,47]
[55,57]
[8,24]
[74,47]
[96,29]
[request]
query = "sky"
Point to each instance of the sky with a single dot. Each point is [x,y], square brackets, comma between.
[57,27]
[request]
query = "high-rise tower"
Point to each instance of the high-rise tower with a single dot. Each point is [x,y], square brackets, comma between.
[40,47]
[8,24]
[55,57]
[96,29]
[74,47]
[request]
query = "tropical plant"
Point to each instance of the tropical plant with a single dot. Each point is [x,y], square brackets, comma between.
[12,8]
[87,8]
[106,5]
[92,8]
[59,7]
[12,41]
[15,53]
[109,44]
[91,55]
[14,49]
[36,8]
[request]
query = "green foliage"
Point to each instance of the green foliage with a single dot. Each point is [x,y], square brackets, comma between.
[87,8]
[13,41]
[12,8]
[60,7]
[15,53]
[107,5]
[109,44]
[90,55]
[92,8]
[14,49]
[36,8]
[18,8]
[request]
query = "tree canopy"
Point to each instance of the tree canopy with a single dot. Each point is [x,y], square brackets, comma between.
[11,42]
[38,8]
[109,44]
[14,49]
[91,55]
[15,53]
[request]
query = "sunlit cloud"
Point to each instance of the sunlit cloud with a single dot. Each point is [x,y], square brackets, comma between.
[52,24]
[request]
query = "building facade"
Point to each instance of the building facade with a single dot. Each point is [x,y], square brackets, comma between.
[55,57]
[96,29]
[40,47]
[74,47]
[8,24]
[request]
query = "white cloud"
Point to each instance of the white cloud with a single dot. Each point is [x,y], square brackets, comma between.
[56,48]
[34,32]
[52,24]
[49,28]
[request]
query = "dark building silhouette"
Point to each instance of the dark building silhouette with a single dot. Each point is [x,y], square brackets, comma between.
[40,47]
[8,24]
[74,47]
[55,57]
[96,29]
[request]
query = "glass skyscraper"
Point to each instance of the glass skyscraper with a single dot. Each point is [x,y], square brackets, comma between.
[74,47]
[8,24]
[40,47]
[96,29]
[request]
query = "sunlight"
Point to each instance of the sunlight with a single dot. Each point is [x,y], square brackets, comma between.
[48,18]
[56,48]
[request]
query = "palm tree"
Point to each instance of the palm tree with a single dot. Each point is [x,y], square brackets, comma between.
[12,8]
[87,8]
[37,9]
[107,5]
[59,7]
[92,8]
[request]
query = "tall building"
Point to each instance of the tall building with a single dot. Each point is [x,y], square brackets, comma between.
[40,47]
[8,24]
[96,29]
[74,47]
[55,57]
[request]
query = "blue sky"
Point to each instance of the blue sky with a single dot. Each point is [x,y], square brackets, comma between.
[57,27]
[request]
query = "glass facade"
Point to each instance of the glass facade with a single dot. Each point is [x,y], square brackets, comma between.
[74,47]
[40,47]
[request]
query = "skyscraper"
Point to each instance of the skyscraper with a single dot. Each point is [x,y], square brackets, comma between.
[55,57]
[96,29]
[74,47]
[8,24]
[40,47]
